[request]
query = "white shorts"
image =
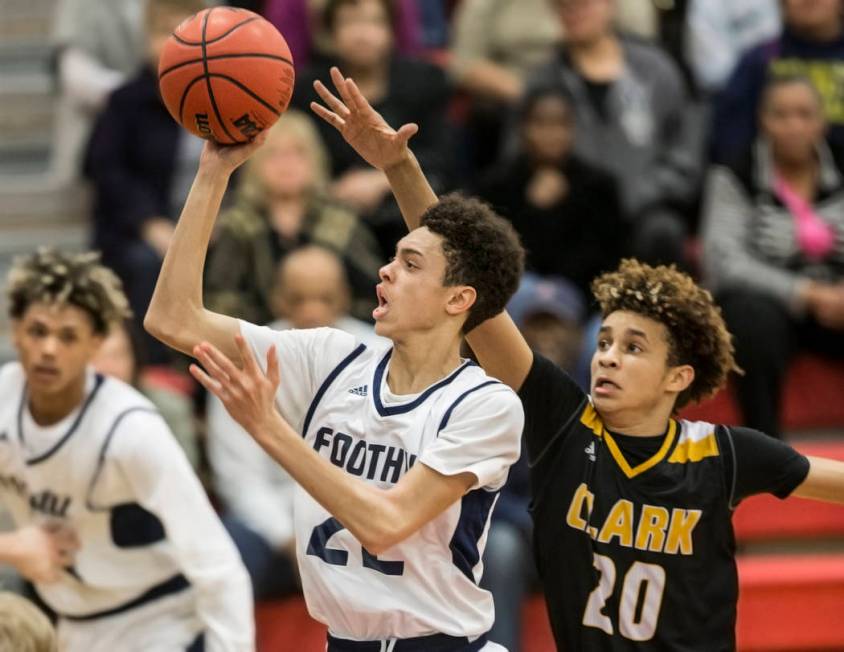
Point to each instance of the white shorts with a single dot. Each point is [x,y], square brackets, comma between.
[169,624]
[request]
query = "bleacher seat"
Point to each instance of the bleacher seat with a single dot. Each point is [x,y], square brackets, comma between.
[791,603]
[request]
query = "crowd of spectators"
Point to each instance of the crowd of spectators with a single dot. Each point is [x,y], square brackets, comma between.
[601,128]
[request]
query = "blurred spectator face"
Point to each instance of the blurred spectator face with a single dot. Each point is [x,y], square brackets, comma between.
[286,168]
[312,289]
[54,343]
[792,120]
[584,21]
[116,357]
[363,36]
[812,16]
[548,130]
[556,339]
[162,19]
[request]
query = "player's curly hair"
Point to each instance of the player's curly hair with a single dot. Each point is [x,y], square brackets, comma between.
[481,250]
[697,334]
[78,279]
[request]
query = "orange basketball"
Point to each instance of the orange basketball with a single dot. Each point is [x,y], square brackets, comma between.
[226,74]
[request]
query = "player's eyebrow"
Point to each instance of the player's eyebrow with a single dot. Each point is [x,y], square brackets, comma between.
[407,251]
[632,332]
[635,332]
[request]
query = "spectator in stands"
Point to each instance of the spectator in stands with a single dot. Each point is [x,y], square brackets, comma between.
[566,211]
[496,44]
[280,205]
[257,493]
[632,115]
[403,90]
[811,44]
[99,46]
[141,164]
[298,21]
[548,312]
[774,246]
[719,32]
[23,627]
[121,356]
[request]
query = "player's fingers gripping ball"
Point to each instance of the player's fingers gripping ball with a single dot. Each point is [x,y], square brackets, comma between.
[226,74]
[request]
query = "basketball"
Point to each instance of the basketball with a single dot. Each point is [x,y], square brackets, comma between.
[226,74]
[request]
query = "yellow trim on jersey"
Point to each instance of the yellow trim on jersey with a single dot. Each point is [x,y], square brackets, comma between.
[591,420]
[694,451]
[632,472]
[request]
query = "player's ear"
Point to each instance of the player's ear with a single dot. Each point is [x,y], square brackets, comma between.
[461,298]
[680,377]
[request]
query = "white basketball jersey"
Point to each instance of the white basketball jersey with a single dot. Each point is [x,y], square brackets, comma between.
[334,392]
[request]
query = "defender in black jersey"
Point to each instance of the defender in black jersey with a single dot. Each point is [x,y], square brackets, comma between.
[632,508]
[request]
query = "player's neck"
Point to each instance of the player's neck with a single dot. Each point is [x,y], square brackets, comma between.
[637,423]
[417,363]
[49,408]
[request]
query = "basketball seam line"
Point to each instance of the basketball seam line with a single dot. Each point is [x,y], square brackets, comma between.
[203,42]
[246,90]
[208,80]
[218,57]
[185,95]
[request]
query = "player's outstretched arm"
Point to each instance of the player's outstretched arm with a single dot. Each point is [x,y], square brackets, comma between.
[497,343]
[377,518]
[825,481]
[176,314]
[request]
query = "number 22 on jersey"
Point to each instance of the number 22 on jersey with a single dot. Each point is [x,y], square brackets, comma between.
[641,599]
[318,546]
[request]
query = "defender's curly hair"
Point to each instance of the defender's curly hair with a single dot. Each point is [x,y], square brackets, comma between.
[78,279]
[697,335]
[481,250]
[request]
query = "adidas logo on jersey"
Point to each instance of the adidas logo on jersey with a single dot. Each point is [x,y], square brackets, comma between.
[590,451]
[359,391]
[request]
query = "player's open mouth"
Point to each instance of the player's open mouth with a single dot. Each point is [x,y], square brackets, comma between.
[383,304]
[604,386]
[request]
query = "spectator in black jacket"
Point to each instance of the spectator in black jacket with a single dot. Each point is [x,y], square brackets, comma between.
[566,211]
[402,90]
[141,164]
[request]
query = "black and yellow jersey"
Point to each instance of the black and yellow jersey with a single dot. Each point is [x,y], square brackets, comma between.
[633,535]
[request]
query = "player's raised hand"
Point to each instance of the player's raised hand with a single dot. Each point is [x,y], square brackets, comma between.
[248,394]
[362,126]
[228,158]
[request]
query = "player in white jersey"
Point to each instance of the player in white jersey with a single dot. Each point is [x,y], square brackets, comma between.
[399,451]
[113,527]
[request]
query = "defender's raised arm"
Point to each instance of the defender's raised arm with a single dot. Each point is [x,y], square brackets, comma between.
[497,343]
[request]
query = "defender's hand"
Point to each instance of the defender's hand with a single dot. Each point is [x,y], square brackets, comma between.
[362,126]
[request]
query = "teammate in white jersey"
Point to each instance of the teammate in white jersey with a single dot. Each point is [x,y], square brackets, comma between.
[113,527]
[399,451]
